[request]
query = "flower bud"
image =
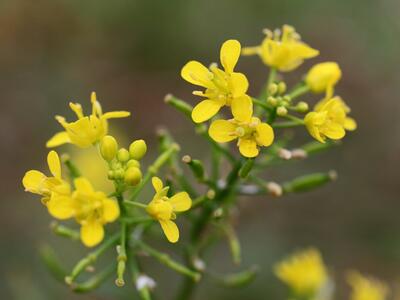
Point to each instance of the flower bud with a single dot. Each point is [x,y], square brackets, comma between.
[281,111]
[272,88]
[323,76]
[281,87]
[119,174]
[302,107]
[108,147]
[133,163]
[133,176]
[272,101]
[137,149]
[123,155]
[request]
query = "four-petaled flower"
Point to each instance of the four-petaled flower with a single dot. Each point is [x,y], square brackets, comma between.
[323,76]
[54,190]
[329,120]
[163,208]
[251,134]
[223,87]
[304,272]
[282,50]
[87,130]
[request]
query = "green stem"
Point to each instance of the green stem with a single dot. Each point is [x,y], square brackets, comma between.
[122,257]
[288,124]
[91,258]
[73,170]
[64,231]
[93,282]
[166,260]
[137,204]
[144,292]
[299,90]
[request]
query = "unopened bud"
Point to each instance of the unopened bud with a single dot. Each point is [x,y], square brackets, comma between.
[272,88]
[284,154]
[210,194]
[281,87]
[302,106]
[287,98]
[133,176]
[281,111]
[111,175]
[299,154]
[137,149]
[119,173]
[199,264]
[133,163]
[123,155]
[274,189]
[108,147]
[144,281]
[272,101]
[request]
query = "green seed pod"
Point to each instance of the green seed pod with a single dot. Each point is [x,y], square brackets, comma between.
[108,147]
[133,163]
[137,149]
[123,155]
[133,176]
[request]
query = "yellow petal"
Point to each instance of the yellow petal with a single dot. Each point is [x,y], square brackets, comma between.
[242,108]
[54,164]
[116,114]
[110,210]
[248,147]
[170,229]
[265,134]
[181,202]
[33,181]
[229,55]
[83,185]
[196,73]
[58,139]
[61,207]
[334,131]
[222,131]
[350,124]
[238,84]
[312,121]
[157,183]
[205,110]
[92,233]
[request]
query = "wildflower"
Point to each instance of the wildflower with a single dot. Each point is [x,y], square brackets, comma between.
[304,272]
[223,87]
[282,50]
[87,130]
[251,134]
[92,210]
[364,288]
[54,190]
[329,120]
[323,77]
[163,208]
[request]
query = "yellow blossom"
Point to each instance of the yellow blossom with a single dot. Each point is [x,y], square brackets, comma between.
[92,209]
[87,130]
[54,190]
[223,87]
[251,134]
[329,120]
[323,76]
[304,272]
[364,288]
[163,208]
[282,50]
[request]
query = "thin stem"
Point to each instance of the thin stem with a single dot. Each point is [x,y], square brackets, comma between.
[73,170]
[122,257]
[94,281]
[64,231]
[137,204]
[144,291]
[299,90]
[288,124]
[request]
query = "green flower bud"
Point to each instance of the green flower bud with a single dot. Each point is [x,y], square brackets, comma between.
[119,174]
[272,101]
[133,163]
[272,88]
[123,155]
[115,165]
[281,111]
[281,87]
[302,106]
[137,149]
[108,147]
[133,176]
[111,175]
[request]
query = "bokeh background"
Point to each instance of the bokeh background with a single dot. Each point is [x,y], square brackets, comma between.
[131,52]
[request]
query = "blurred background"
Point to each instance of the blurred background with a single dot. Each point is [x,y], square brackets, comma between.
[130,52]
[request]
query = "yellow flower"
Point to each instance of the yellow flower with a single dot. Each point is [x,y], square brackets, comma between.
[329,120]
[54,190]
[251,134]
[323,77]
[282,50]
[223,87]
[163,208]
[87,130]
[92,209]
[304,272]
[364,288]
